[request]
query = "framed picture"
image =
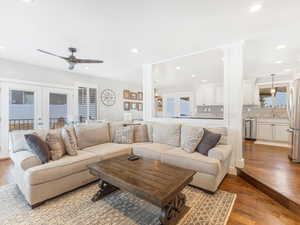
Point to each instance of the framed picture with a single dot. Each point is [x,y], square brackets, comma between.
[140,96]
[126,94]
[140,106]
[133,105]
[133,95]
[126,106]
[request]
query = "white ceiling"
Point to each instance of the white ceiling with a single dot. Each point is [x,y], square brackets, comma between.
[108,30]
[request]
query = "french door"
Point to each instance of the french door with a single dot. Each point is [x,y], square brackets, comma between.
[28,107]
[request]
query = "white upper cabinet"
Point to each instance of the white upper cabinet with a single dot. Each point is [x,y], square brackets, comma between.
[210,94]
[250,93]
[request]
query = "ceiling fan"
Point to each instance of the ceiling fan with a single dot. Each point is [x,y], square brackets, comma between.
[72,60]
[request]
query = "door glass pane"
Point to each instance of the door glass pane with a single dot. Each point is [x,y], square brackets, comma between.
[93,104]
[82,104]
[170,105]
[58,110]
[21,110]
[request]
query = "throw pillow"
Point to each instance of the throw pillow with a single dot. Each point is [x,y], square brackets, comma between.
[141,133]
[70,141]
[190,137]
[124,135]
[56,144]
[168,134]
[209,141]
[38,147]
[92,134]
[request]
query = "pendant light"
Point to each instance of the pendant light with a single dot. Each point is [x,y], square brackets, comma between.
[273,89]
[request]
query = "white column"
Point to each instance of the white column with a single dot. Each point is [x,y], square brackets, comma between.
[233,107]
[148,92]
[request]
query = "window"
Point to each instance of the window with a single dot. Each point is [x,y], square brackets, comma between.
[279,100]
[87,103]
[21,97]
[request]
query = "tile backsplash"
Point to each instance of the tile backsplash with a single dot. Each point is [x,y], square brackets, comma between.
[214,111]
[258,112]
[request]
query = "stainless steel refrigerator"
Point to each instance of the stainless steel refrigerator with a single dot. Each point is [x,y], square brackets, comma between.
[294,120]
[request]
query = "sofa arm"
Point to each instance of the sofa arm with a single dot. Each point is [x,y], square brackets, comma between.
[25,159]
[220,152]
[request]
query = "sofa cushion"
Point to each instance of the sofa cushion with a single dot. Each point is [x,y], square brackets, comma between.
[124,135]
[150,150]
[220,152]
[209,141]
[70,140]
[17,140]
[109,150]
[223,132]
[168,134]
[92,134]
[190,137]
[65,166]
[56,144]
[112,129]
[194,161]
[141,133]
[38,147]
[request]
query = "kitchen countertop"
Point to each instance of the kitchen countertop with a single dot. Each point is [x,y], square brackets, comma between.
[199,117]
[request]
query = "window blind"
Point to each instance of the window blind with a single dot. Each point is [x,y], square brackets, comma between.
[87,103]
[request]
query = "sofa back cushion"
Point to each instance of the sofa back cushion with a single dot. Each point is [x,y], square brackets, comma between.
[223,132]
[124,135]
[190,137]
[93,134]
[38,147]
[17,140]
[168,134]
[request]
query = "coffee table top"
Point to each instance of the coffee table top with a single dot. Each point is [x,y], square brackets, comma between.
[151,180]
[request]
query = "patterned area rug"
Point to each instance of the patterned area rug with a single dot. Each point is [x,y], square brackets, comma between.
[119,208]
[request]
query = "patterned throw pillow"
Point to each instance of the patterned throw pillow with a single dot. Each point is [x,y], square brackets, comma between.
[124,135]
[70,141]
[141,133]
[190,137]
[56,144]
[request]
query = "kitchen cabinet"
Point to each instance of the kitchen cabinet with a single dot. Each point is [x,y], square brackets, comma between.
[210,94]
[250,93]
[272,130]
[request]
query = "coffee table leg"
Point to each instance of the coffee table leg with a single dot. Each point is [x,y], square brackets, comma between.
[173,210]
[105,189]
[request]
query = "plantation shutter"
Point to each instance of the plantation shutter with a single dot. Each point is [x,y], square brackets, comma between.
[87,103]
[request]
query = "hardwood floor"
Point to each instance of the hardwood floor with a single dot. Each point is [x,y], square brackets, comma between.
[252,207]
[274,173]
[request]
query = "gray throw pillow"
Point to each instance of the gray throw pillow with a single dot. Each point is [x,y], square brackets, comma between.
[38,147]
[124,135]
[209,141]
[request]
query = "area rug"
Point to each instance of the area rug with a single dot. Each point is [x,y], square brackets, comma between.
[119,208]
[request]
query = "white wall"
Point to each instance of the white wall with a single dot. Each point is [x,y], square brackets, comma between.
[21,71]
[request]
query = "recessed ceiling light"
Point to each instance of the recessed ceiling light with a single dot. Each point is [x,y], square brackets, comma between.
[280,47]
[193,75]
[156,81]
[178,68]
[135,51]
[28,1]
[222,58]
[204,81]
[279,62]
[2,47]
[255,8]
[86,67]
[288,70]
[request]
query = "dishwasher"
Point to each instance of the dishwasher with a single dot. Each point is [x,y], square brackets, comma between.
[250,129]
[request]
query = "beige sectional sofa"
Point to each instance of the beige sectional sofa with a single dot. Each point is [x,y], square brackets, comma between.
[39,182]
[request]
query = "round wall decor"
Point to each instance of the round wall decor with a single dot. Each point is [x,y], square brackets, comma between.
[108,97]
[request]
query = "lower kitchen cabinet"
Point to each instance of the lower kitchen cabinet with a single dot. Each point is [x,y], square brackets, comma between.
[276,132]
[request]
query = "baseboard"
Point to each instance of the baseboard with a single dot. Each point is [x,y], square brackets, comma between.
[278,144]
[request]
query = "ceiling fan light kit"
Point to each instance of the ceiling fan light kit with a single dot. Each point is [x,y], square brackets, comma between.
[72,60]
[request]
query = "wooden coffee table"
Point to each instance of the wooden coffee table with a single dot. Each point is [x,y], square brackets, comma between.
[151,180]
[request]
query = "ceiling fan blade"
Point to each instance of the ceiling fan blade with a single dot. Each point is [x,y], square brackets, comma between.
[49,53]
[88,61]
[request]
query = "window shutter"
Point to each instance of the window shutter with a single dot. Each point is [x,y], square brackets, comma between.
[87,103]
